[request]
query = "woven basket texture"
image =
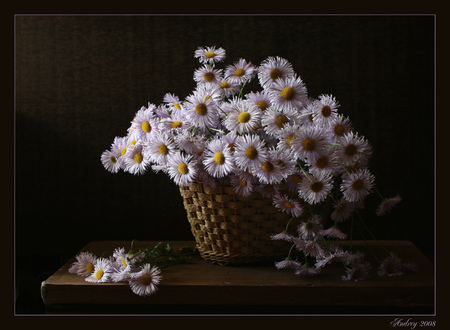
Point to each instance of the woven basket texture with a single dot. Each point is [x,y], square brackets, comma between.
[232,229]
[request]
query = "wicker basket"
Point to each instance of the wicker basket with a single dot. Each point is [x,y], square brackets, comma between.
[231,229]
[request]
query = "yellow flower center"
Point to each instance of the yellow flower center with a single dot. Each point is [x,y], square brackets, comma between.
[281,120]
[208,76]
[210,54]
[267,166]
[350,150]
[219,158]
[177,124]
[288,204]
[145,279]
[225,85]
[201,109]
[322,162]
[124,262]
[275,74]
[122,153]
[308,144]
[146,127]
[287,93]
[133,142]
[138,157]
[326,111]
[316,187]
[262,105]
[89,268]
[242,182]
[251,153]
[244,117]
[177,105]
[99,274]
[183,169]
[113,159]
[239,72]
[163,149]
[289,138]
[339,130]
[358,184]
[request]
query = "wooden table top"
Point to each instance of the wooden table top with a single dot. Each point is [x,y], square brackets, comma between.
[202,283]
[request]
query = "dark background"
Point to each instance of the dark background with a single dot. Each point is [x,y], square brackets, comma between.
[80,79]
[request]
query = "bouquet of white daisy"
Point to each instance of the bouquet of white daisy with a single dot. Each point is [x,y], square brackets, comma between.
[297,151]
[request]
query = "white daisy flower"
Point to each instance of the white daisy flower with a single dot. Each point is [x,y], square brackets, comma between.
[311,247]
[342,210]
[191,144]
[274,119]
[294,180]
[230,139]
[273,68]
[176,120]
[242,183]
[356,186]
[261,99]
[288,263]
[316,187]
[351,148]
[144,282]
[110,161]
[201,108]
[310,143]
[228,89]
[334,254]
[84,265]
[288,93]
[307,270]
[334,232]
[122,257]
[339,127]
[217,159]
[325,110]
[240,72]
[208,75]
[136,160]
[119,146]
[250,151]
[160,148]
[144,124]
[358,272]
[102,271]
[173,102]
[276,168]
[310,229]
[162,112]
[181,169]
[210,55]
[305,115]
[387,204]
[326,162]
[243,117]
[286,135]
[288,205]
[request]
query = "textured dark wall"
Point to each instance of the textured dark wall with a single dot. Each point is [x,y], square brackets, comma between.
[80,79]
